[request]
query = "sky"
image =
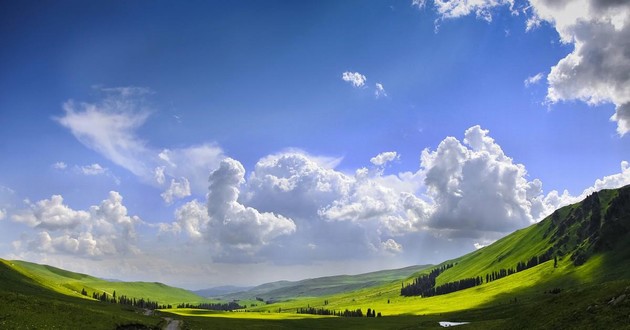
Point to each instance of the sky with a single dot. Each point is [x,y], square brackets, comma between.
[211,142]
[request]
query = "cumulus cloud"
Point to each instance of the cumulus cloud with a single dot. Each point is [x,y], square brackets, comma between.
[51,214]
[392,246]
[361,208]
[3,214]
[379,91]
[109,127]
[233,230]
[238,226]
[384,158]
[177,189]
[193,219]
[533,80]
[355,78]
[476,188]
[103,230]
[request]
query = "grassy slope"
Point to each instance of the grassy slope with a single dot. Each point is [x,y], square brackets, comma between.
[324,286]
[71,283]
[26,304]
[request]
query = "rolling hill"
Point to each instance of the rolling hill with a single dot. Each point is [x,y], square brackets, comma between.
[322,286]
[29,303]
[72,284]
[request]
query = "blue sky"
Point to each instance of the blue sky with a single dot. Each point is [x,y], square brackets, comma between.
[124,110]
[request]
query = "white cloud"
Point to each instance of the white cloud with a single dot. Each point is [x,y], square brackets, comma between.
[240,227]
[110,126]
[159,175]
[379,91]
[177,189]
[193,163]
[192,218]
[3,214]
[535,79]
[392,246]
[458,8]
[476,188]
[479,245]
[555,200]
[93,169]
[51,214]
[355,78]
[104,230]
[59,166]
[360,208]
[384,158]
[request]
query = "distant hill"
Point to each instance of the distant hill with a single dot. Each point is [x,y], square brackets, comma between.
[220,291]
[317,287]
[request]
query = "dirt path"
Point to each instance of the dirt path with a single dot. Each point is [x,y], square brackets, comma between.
[172,324]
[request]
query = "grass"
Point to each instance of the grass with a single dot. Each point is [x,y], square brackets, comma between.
[26,304]
[71,283]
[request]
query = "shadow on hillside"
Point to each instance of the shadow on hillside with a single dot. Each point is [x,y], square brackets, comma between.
[578,299]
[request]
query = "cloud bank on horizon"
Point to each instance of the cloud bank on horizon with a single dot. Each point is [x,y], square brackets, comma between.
[292,200]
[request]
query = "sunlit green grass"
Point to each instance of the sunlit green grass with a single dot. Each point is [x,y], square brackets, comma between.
[71,283]
[26,304]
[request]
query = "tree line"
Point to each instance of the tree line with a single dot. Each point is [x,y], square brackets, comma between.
[522,265]
[423,284]
[124,300]
[345,313]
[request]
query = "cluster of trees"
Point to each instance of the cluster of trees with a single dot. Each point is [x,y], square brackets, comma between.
[423,285]
[457,285]
[230,306]
[124,300]
[522,265]
[346,313]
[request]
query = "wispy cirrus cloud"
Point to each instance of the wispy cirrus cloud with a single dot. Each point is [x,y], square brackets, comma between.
[109,127]
[533,80]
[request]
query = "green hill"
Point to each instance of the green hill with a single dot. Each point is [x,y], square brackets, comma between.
[322,286]
[71,283]
[27,304]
